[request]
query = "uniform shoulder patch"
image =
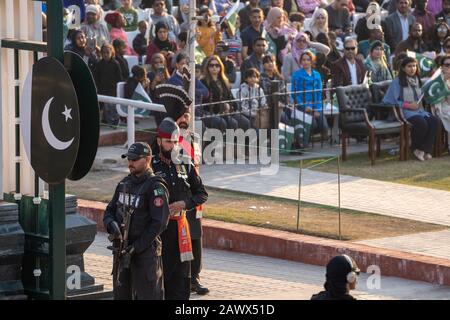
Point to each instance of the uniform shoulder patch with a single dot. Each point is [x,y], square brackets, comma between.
[158,191]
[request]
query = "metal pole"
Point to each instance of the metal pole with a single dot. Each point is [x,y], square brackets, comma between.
[191,43]
[130,126]
[17,195]
[1,133]
[57,215]
[299,193]
[339,194]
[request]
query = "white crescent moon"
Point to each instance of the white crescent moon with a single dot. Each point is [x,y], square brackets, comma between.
[430,90]
[48,133]
[424,68]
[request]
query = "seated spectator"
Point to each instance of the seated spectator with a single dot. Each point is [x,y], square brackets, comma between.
[319,22]
[398,23]
[159,74]
[376,34]
[101,13]
[146,4]
[322,68]
[207,34]
[255,59]
[252,95]
[140,42]
[405,92]
[270,74]
[246,12]
[233,40]
[425,18]
[117,21]
[93,28]
[78,44]
[277,28]
[414,42]
[334,53]
[182,47]
[222,50]
[341,278]
[443,108]
[307,7]
[441,32]
[253,31]
[221,98]
[348,70]
[376,63]
[162,44]
[300,44]
[444,15]
[339,17]
[130,14]
[307,87]
[160,15]
[201,92]
[107,74]
[138,76]
[361,29]
[297,20]
[119,48]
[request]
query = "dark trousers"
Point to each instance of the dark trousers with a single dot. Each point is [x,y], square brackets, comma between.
[142,281]
[178,287]
[196,264]
[423,132]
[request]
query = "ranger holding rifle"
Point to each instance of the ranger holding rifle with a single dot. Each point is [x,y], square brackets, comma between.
[135,218]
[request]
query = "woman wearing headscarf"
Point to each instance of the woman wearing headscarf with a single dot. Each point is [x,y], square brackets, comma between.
[376,63]
[301,43]
[307,7]
[117,22]
[78,44]
[276,27]
[319,22]
[162,44]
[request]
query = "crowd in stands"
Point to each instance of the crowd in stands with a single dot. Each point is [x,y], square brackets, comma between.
[305,45]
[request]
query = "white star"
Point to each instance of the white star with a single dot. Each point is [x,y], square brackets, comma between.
[66,113]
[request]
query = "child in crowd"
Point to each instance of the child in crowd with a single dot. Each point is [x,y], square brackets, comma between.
[252,94]
[117,22]
[107,74]
[119,48]
[140,42]
[130,14]
[297,20]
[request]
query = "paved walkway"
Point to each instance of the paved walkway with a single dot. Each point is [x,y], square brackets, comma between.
[436,244]
[232,275]
[367,195]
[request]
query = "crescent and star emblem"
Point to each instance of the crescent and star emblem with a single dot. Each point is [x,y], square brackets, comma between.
[48,133]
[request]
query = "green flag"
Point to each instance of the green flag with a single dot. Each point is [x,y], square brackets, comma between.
[435,90]
[140,94]
[425,64]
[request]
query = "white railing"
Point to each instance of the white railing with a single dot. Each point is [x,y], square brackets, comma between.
[132,104]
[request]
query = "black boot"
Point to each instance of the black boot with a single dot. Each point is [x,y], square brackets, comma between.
[198,288]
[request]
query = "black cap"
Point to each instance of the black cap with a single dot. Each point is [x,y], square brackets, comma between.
[138,150]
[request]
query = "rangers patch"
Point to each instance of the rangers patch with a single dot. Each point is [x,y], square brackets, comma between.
[158,202]
[158,192]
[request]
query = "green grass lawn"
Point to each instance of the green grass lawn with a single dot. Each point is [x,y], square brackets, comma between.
[434,174]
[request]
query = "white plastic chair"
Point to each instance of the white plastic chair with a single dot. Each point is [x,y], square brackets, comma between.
[132,61]
[237,82]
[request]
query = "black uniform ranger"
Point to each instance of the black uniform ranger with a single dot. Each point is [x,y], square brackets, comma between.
[135,218]
[186,192]
[178,110]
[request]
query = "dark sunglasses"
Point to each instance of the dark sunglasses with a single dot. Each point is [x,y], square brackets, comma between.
[447,47]
[447,65]
[214,65]
[350,48]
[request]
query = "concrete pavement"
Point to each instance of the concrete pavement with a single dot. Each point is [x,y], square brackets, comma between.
[231,276]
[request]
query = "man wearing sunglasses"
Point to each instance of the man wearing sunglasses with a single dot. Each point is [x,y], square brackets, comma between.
[135,218]
[348,70]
